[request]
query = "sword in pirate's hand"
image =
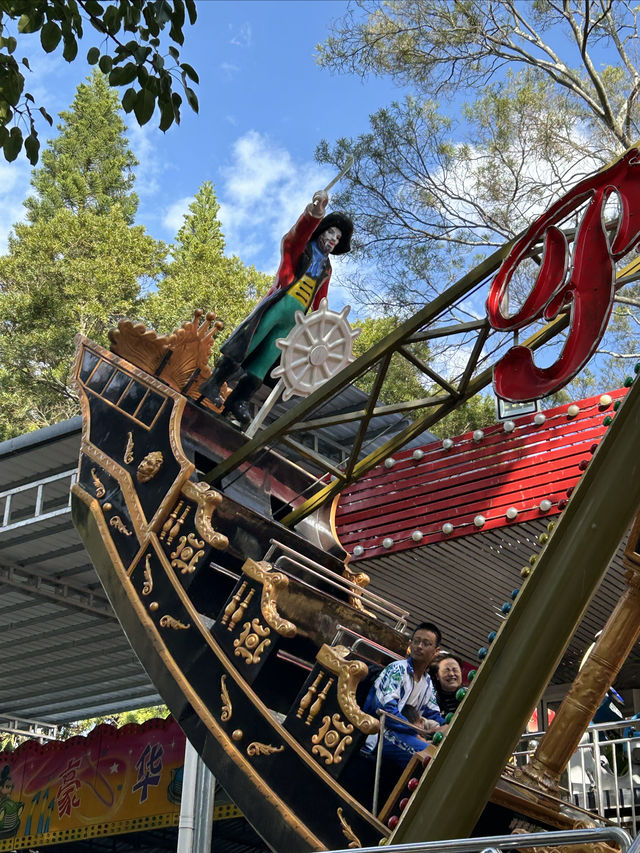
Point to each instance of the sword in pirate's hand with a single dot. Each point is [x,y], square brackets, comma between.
[340,174]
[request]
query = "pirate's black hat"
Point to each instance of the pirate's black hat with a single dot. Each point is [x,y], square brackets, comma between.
[341,221]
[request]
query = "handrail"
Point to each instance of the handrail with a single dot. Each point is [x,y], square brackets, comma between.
[514,842]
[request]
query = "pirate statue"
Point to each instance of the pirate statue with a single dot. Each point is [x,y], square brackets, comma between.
[301,282]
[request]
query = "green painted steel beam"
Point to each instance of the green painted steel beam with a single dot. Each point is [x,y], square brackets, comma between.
[531,642]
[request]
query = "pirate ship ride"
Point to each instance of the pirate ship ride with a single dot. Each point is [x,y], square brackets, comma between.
[258,634]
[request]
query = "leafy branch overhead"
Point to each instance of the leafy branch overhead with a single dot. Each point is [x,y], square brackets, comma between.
[130,52]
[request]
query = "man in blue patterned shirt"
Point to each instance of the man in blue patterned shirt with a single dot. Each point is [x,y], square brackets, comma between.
[407,682]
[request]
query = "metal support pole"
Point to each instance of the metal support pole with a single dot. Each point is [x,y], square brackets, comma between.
[530,644]
[196,805]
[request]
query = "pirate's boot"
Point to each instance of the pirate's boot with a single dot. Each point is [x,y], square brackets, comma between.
[210,389]
[238,401]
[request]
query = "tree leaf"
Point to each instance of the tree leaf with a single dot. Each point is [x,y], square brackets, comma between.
[129,99]
[70,50]
[50,36]
[105,64]
[192,100]
[32,147]
[166,115]
[46,115]
[93,55]
[190,72]
[191,11]
[12,144]
[145,105]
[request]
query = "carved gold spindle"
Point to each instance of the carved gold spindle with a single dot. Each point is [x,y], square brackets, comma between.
[308,697]
[319,702]
[166,527]
[237,616]
[231,606]
[176,527]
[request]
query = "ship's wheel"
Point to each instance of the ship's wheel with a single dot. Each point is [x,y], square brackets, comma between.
[318,347]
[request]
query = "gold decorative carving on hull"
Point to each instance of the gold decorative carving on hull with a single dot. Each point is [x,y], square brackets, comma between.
[106,506]
[154,606]
[147,586]
[332,738]
[363,580]
[207,499]
[350,673]
[128,453]
[186,557]
[239,612]
[167,621]
[272,583]
[189,348]
[172,525]
[308,696]
[233,604]
[149,466]
[237,734]
[119,525]
[348,833]
[252,642]
[256,748]
[100,489]
[227,708]
[314,710]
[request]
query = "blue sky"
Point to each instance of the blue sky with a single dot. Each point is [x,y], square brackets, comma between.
[264,106]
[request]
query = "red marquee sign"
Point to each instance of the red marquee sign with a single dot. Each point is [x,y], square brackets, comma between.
[584,283]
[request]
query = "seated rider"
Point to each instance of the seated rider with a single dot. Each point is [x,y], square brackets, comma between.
[446,674]
[301,282]
[407,682]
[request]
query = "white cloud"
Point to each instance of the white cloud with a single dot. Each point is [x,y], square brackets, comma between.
[262,192]
[242,35]
[173,219]
[228,69]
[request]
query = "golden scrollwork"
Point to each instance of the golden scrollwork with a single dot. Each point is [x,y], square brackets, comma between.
[128,452]
[100,489]
[149,466]
[363,580]
[253,641]
[119,525]
[272,583]
[167,621]
[186,557]
[256,748]
[227,708]
[350,673]
[147,587]
[348,833]
[332,738]
[207,499]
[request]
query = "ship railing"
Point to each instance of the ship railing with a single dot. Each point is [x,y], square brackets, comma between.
[603,774]
[369,599]
[497,843]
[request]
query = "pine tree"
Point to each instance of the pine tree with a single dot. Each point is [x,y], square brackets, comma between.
[76,266]
[201,276]
[89,166]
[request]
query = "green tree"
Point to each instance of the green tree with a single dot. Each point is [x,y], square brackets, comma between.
[89,166]
[433,190]
[77,266]
[200,275]
[129,52]
[67,274]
